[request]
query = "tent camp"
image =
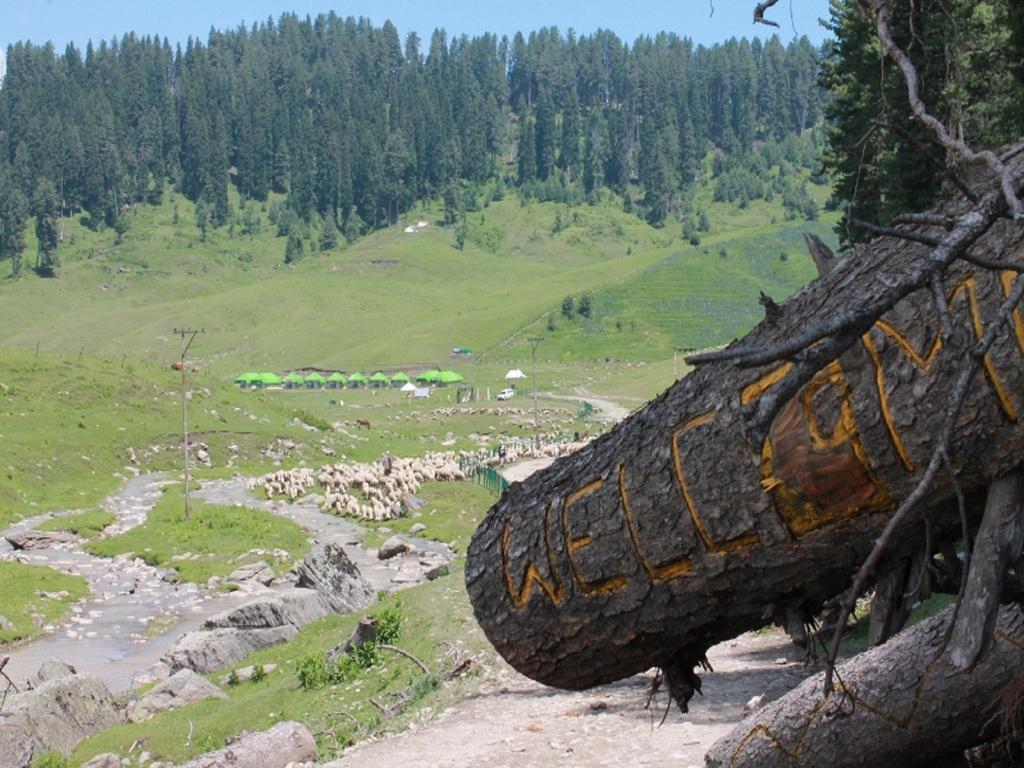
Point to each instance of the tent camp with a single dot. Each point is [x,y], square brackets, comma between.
[270,380]
[293,381]
[379,380]
[515,374]
[449,377]
[336,380]
[248,379]
[357,380]
[315,380]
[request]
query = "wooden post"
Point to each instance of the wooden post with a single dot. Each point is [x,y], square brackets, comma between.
[534,341]
[188,335]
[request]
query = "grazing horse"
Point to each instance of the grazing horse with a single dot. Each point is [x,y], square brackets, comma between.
[363,423]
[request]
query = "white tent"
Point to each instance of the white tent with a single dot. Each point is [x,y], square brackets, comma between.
[408,387]
[515,373]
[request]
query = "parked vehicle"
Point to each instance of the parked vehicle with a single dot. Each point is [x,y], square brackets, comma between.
[506,394]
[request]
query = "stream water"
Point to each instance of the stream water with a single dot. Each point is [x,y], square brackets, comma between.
[136,612]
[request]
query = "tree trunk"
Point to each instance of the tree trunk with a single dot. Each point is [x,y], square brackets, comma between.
[998,544]
[673,532]
[895,705]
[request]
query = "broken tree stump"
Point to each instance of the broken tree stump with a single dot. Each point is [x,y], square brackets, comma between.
[898,704]
[673,531]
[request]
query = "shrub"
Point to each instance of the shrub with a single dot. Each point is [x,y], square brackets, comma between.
[314,672]
[389,623]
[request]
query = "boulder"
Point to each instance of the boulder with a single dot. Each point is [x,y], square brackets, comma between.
[5,623]
[297,607]
[151,674]
[181,688]
[54,669]
[283,744]
[259,571]
[39,539]
[328,570]
[417,528]
[106,760]
[56,715]
[392,548]
[208,650]
[244,674]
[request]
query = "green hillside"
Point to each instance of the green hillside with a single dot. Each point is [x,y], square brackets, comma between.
[401,299]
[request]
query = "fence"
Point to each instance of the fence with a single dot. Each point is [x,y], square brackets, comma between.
[490,479]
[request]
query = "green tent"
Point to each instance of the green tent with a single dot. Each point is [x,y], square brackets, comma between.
[379,380]
[357,380]
[292,381]
[429,376]
[399,379]
[270,380]
[450,377]
[315,380]
[248,379]
[336,380]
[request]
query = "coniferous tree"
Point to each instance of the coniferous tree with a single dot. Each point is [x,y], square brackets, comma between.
[335,114]
[13,216]
[527,150]
[45,207]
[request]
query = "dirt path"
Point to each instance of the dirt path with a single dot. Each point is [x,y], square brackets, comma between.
[609,410]
[517,723]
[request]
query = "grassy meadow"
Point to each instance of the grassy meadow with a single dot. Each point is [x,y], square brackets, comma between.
[213,541]
[32,596]
[87,396]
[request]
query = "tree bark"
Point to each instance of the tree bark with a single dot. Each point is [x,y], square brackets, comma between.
[673,531]
[997,544]
[898,704]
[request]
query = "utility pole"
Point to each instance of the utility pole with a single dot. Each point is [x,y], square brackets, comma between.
[534,341]
[188,335]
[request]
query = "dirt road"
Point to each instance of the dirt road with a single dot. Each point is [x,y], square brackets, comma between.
[517,723]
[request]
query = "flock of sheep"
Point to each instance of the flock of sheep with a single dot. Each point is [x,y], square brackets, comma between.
[379,491]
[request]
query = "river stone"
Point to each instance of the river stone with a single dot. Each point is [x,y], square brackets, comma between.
[259,571]
[283,744]
[393,547]
[151,674]
[56,715]
[106,760]
[208,650]
[417,528]
[181,688]
[54,669]
[328,570]
[5,623]
[297,607]
[39,539]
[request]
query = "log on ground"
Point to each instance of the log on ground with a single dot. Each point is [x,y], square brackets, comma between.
[901,703]
[673,531]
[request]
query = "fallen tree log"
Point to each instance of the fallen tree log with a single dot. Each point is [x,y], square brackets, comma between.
[679,528]
[899,704]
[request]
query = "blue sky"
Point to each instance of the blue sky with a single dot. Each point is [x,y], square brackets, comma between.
[63,21]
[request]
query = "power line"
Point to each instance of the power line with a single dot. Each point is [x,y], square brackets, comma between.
[188,335]
[534,341]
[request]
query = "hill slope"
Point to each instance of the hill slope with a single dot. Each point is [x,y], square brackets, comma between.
[397,298]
